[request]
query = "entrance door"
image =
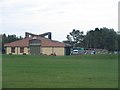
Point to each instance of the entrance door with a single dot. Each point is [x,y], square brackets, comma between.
[35,50]
[34,45]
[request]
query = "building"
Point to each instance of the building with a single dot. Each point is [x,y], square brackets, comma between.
[36,45]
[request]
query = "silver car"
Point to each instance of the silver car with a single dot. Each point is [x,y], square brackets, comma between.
[75,52]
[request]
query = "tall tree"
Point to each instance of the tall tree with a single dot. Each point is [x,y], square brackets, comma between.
[102,38]
[75,37]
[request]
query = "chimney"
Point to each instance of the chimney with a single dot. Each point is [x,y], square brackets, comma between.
[49,35]
[26,35]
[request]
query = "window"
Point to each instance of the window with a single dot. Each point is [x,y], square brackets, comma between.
[12,49]
[21,49]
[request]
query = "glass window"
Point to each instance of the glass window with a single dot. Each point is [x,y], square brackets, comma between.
[21,49]
[12,49]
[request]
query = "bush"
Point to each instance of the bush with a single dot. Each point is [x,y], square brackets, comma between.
[24,53]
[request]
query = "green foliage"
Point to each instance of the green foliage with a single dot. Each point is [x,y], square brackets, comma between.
[8,39]
[118,43]
[75,37]
[102,38]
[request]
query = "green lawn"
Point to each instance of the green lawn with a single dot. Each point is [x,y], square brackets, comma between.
[86,71]
[0,80]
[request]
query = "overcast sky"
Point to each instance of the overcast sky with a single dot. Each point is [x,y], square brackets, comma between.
[57,16]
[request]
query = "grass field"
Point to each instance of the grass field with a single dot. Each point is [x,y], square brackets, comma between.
[86,71]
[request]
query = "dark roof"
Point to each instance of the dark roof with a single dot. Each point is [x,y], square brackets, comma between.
[44,42]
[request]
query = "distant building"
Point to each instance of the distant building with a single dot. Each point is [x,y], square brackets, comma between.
[36,45]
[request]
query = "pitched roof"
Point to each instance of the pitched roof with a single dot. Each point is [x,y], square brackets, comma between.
[44,42]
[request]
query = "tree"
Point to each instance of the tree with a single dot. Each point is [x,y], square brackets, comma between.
[69,38]
[118,43]
[102,38]
[75,37]
[8,39]
[89,39]
[99,38]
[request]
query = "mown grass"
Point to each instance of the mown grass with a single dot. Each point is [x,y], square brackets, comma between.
[0,71]
[85,71]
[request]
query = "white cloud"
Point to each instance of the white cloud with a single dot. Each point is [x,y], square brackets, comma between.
[57,16]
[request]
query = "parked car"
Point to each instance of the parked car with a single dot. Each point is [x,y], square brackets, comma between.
[75,52]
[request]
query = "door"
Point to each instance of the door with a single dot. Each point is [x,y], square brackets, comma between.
[35,50]
[34,45]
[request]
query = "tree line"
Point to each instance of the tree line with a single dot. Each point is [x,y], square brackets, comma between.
[99,38]
[8,39]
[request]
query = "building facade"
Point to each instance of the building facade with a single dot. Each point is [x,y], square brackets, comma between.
[37,45]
